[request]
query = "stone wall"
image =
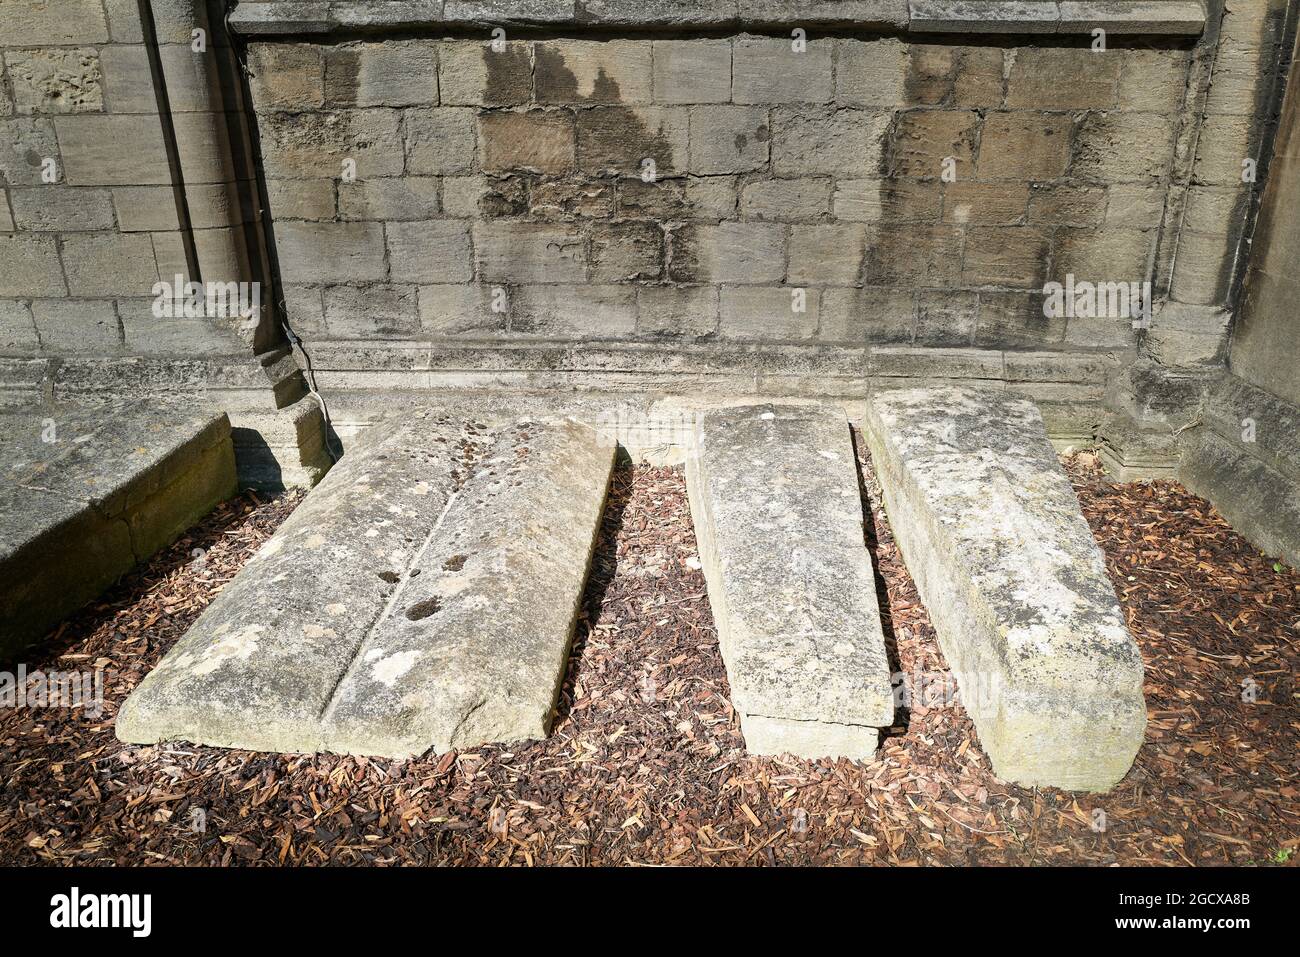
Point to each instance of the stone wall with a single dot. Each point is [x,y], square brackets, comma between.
[1244,452]
[89,211]
[862,191]
[661,196]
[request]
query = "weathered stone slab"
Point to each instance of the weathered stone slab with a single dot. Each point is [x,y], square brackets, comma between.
[422,596]
[1014,583]
[86,492]
[778,516]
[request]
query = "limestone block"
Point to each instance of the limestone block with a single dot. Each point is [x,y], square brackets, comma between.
[428,251]
[728,253]
[1014,583]
[768,313]
[119,483]
[525,252]
[384,73]
[55,80]
[728,139]
[770,70]
[816,141]
[586,71]
[474,74]
[774,495]
[29,267]
[692,71]
[422,597]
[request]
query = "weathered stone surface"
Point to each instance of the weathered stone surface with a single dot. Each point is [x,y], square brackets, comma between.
[17,328]
[874,314]
[423,596]
[982,16]
[849,12]
[526,252]
[429,251]
[1005,256]
[1014,583]
[805,199]
[85,493]
[361,312]
[926,143]
[810,141]
[1257,498]
[728,139]
[1127,148]
[768,313]
[584,71]
[395,198]
[729,253]
[474,74]
[331,252]
[55,81]
[77,326]
[286,76]
[627,251]
[29,267]
[778,517]
[870,73]
[540,141]
[33,23]
[315,145]
[386,73]
[579,311]
[109,264]
[439,141]
[61,209]
[771,70]
[620,139]
[1024,146]
[26,144]
[1051,78]
[1163,17]
[890,200]
[692,71]
[669,311]
[92,154]
[827,255]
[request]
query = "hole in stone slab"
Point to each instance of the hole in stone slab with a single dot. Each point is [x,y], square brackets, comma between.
[455,563]
[391,577]
[423,609]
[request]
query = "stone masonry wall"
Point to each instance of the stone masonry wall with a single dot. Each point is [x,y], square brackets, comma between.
[88,212]
[865,191]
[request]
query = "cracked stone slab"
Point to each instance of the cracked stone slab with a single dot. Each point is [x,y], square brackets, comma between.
[775,498]
[89,490]
[1014,583]
[422,597]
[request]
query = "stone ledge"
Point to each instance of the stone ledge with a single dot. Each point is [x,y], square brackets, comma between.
[1257,500]
[116,483]
[315,17]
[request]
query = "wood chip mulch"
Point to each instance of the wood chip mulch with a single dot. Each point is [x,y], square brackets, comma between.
[645,764]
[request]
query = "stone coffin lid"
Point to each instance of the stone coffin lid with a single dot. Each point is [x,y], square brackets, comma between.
[315,17]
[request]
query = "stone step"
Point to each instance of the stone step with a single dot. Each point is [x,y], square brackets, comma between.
[423,596]
[1014,582]
[775,497]
[86,491]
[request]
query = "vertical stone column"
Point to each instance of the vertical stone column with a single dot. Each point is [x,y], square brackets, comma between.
[1221,163]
